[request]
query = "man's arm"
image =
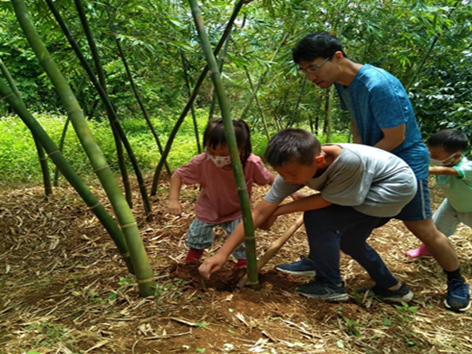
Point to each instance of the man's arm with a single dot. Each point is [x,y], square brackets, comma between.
[392,138]
[260,213]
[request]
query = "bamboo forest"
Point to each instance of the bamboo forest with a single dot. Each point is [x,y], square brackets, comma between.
[135,148]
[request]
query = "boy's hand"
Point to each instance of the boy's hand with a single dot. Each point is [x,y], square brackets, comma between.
[175,208]
[211,265]
[267,224]
[297,196]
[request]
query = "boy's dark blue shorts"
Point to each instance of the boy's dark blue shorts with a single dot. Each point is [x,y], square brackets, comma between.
[420,207]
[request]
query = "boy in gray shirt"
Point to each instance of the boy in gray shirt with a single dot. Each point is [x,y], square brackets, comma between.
[360,187]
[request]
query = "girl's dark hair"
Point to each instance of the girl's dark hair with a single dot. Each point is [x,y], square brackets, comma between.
[292,145]
[316,45]
[451,140]
[214,135]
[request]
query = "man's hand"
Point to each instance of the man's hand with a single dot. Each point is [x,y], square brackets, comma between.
[211,265]
[175,208]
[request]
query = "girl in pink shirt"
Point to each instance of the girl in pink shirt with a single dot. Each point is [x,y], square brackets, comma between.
[218,202]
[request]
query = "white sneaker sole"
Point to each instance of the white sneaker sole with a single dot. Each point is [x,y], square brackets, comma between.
[306,273]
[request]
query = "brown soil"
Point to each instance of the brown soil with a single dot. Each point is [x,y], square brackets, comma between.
[65,289]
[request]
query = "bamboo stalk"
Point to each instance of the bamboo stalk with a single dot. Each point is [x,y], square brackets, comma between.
[108,105]
[274,248]
[189,92]
[66,169]
[41,156]
[249,237]
[192,97]
[101,79]
[261,112]
[140,102]
[263,76]
[120,206]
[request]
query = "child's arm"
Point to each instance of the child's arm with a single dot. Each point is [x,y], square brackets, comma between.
[260,213]
[443,170]
[174,191]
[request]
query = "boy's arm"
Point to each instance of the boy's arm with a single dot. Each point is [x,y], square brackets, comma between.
[392,138]
[311,202]
[443,170]
[260,213]
[174,191]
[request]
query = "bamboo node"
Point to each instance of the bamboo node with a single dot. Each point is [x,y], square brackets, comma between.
[7,96]
[143,281]
[128,225]
[101,168]
[54,152]
[94,206]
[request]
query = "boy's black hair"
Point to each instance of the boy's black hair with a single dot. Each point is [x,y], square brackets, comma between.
[451,140]
[292,145]
[316,45]
[214,135]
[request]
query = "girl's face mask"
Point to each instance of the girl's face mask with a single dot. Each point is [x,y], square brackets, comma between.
[220,161]
[445,162]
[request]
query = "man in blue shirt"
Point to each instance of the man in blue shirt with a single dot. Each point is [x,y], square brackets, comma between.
[382,116]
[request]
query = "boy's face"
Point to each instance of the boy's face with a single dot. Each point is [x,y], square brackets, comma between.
[438,154]
[294,173]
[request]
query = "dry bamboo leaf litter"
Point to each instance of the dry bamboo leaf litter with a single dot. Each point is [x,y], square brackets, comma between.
[63,289]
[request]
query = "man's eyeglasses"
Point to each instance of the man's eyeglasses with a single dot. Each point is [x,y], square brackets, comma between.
[314,68]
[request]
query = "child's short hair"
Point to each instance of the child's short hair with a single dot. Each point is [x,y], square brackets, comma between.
[292,145]
[451,140]
[214,135]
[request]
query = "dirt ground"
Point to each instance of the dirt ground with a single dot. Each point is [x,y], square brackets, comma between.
[65,289]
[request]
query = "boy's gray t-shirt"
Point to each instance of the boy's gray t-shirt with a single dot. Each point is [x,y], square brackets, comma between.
[372,181]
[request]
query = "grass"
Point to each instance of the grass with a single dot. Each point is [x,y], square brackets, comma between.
[19,158]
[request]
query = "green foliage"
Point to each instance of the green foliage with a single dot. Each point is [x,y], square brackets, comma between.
[49,333]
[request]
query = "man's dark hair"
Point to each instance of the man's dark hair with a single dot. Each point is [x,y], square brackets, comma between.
[292,145]
[316,45]
[451,140]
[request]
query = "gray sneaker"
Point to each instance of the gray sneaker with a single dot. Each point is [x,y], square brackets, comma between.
[320,290]
[401,295]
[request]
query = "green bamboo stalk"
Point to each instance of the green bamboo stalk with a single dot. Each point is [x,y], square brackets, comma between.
[185,67]
[140,102]
[238,172]
[101,79]
[66,169]
[299,98]
[192,97]
[261,112]
[61,148]
[108,105]
[263,76]
[329,113]
[41,156]
[64,131]
[110,185]
[220,68]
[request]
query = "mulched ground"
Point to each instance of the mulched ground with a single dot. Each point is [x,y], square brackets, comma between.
[65,289]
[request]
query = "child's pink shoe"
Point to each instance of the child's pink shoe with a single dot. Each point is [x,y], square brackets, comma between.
[193,255]
[241,263]
[418,252]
